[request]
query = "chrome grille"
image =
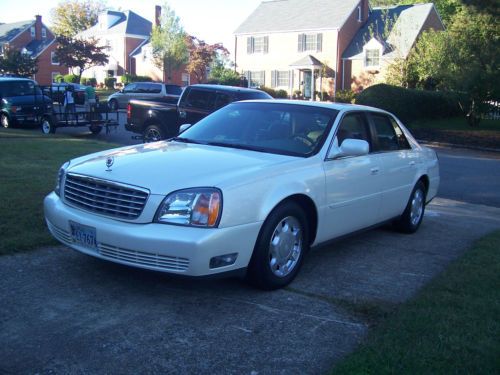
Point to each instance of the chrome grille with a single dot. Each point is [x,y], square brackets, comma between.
[141,258]
[59,233]
[105,197]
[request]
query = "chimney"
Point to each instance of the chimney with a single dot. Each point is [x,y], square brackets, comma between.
[157,15]
[38,27]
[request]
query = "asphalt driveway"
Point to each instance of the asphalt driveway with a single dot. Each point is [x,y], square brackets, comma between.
[65,313]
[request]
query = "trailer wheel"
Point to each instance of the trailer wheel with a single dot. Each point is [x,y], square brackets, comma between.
[4,120]
[95,129]
[47,126]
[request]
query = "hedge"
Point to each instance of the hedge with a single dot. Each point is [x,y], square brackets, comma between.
[71,78]
[410,104]
[110,82]
[128,78]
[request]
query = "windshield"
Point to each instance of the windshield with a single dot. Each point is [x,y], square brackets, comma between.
[290,129]
[21,88]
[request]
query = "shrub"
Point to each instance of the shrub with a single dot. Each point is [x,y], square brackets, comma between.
[71,78]
[110,82]
[345,96]
[410,104]
[128,78]
[59,78]
[92,82]
[281,94]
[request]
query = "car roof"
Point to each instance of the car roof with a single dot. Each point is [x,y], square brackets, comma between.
[226,88]
[12,79]
[329,105]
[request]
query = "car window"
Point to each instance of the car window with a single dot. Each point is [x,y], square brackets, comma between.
[353,126]
[130,88]
[222,100]
[402,141]
[173,89]
[252,95]
[385,134]
[268,127]
[201,99]
[153,88]
[21,88]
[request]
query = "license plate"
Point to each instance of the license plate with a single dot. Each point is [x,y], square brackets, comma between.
[83,235]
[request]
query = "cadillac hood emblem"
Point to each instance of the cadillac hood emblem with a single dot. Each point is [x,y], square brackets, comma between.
[110,160]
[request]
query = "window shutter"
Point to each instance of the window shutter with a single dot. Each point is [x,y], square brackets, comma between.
[266,44]
[273,78]
[250,45]
[319,42]
[300,43]
[263,77]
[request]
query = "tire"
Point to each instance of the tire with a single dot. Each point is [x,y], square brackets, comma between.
[5,121]
[95,129]
[113,105]
[152,133]
[47,126]
[280,248]
[410,220]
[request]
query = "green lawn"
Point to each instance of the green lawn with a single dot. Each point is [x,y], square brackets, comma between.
[29,162]
[451,327]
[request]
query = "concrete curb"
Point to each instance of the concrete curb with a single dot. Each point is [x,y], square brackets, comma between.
[452,145]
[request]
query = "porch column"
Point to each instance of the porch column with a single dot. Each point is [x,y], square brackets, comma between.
[313,84]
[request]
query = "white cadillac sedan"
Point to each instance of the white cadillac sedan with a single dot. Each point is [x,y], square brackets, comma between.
[250,189]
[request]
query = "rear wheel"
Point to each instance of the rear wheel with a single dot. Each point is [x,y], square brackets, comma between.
[5,121]
[280,248]
[95,129]
[414,212]
[48,127]
[152,133]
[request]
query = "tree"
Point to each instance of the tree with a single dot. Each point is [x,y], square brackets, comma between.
[80,53]
[170,47]
[222,73]
[464,59]
[70,17]
[18,63]
[201,56]
[446,8]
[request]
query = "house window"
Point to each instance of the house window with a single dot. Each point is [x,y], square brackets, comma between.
[280,78]
[54,76]
[257,44]
[32,31]
[372,57]
[53,58]
[185,79]
[44,33]
[360,15]
[256,78]
[310,42]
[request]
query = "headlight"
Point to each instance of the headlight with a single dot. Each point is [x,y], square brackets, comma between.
[60,178]
[199,207]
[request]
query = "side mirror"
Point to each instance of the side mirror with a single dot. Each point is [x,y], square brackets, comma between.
[184,127]
[350,147]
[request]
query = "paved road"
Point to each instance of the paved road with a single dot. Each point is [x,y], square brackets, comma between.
[65,313]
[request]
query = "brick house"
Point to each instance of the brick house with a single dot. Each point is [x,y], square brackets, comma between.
[127,38]
[389,34]
[36,39]
[316,45]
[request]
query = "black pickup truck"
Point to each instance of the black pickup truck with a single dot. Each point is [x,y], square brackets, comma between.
[156,120]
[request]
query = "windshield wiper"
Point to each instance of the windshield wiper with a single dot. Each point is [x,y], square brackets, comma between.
[186,140]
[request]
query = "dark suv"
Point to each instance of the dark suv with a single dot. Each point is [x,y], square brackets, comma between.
[22,102]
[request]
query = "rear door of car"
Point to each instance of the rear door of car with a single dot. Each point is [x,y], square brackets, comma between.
[397,162]
[352,183]
[196,104]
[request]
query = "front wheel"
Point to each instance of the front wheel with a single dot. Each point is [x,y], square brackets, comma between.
[414,212]
[4,120]
[152,133]
[48,127]
[280,248]
[95,129]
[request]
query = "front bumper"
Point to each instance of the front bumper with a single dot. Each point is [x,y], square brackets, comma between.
[159,247]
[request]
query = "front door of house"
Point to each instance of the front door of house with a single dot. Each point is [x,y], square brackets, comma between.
[307,84]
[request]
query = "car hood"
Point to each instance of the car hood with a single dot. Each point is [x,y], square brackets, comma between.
[163,167]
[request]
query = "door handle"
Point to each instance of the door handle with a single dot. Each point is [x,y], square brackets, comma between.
[374,170]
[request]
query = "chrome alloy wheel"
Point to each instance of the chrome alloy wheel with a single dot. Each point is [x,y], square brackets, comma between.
[152,135]
[285,246]
[417,207]
[46,126]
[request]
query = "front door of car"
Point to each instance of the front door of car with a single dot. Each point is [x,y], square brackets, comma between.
[197,104]
[352,183]
[128,93]
[398,164]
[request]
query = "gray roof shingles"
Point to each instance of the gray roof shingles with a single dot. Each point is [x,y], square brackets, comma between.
[10,30]
[297,15]
[409,20]
[127,23]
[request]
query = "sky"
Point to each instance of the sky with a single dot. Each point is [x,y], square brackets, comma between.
[211,20]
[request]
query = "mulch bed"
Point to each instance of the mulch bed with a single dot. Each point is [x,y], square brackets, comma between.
[474,138]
